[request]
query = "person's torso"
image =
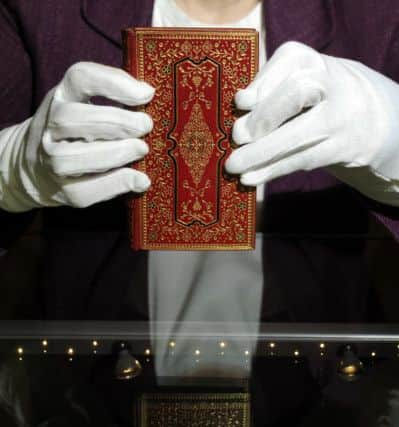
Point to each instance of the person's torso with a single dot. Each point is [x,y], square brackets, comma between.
[308,204]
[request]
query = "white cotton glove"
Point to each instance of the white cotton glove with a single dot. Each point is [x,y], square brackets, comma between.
[349,123]
[71,152]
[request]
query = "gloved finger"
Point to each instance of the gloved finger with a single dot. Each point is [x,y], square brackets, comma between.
[288,57]
[90,122]
[86,191]
[298,91]
[76,158]
[299,134]
[309,159]
[86,79]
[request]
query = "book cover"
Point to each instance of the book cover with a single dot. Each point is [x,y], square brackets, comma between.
[192,203]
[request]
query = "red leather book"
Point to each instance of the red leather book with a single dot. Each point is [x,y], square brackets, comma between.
[192,203]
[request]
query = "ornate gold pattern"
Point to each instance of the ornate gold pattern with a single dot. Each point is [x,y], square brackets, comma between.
[197,208]
[196,143]
[234,229]
[196,409]
[195,93]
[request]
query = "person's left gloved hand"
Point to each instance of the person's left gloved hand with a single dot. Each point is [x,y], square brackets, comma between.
[309,110]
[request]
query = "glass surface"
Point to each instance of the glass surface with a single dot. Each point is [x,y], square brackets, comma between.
[119,374]
[316,343]
[318,277]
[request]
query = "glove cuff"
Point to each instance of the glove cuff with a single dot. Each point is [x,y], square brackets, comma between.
[13,195]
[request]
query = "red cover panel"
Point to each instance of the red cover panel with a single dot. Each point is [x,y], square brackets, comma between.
[192,204]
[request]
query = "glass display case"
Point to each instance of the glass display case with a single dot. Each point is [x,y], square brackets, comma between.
[121,374]
[316,343]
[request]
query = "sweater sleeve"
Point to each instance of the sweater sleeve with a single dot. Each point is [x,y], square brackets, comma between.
[388,215]
[15,103]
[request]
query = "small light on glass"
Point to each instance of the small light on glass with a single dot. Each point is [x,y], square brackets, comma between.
[20,350]
[44,343]
[373,354]
[95,343]
[246,352]
[272,345]
[322,345]
[71,351]
[197,352]
[222,344]
[296,353]
[148,352]
[172,344]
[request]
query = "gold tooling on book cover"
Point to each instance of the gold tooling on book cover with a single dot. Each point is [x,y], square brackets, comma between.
[249,39]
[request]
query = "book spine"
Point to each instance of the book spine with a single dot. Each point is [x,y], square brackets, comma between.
[130,65]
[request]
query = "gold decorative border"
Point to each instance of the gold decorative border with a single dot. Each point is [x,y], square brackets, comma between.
[178,33]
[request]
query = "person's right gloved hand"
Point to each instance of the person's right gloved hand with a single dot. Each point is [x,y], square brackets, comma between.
[72,152]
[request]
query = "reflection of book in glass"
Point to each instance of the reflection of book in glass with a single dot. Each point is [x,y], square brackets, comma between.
[192,204]
[170,409]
